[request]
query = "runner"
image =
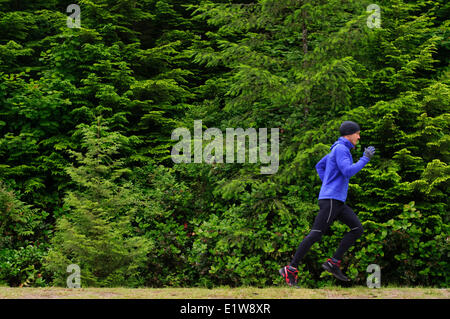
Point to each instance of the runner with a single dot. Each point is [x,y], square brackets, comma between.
[335,170]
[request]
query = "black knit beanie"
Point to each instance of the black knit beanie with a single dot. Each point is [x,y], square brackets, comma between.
[348,128]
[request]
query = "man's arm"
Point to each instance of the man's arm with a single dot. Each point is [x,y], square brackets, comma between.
[321,166]
[345,163]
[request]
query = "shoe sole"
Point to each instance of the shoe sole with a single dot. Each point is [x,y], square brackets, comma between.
[327,268]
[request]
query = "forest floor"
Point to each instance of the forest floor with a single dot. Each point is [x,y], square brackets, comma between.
[224,293]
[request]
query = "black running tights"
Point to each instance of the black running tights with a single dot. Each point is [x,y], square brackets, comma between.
[330,210]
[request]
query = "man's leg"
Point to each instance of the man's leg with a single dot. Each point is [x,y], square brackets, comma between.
[329,209]
[348,217]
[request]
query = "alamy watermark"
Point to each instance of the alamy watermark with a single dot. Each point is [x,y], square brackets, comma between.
[374,20]
[214,150]
[74,279]
[374,279]
[74,20]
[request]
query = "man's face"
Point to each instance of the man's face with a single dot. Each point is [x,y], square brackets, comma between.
[353,138]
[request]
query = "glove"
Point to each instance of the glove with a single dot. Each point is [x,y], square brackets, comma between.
[369,151]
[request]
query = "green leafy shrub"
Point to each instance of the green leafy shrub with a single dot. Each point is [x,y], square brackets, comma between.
[22,267]
[20,224]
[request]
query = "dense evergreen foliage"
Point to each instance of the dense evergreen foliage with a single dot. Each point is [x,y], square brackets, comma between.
[86,116]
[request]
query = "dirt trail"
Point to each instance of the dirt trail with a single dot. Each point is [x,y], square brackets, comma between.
[223,293]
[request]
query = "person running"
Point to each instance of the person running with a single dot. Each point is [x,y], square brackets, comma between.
[335,170]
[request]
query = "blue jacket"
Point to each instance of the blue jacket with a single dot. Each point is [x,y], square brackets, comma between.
[336,168]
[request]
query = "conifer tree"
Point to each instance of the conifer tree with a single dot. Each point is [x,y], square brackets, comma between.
[96,232]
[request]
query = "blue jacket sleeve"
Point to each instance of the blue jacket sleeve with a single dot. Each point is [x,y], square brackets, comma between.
[345,164]
[321,166]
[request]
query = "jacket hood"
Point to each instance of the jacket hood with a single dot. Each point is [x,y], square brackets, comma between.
[343,141]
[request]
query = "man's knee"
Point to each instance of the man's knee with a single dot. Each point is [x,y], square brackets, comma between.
[315,235]
[358,231]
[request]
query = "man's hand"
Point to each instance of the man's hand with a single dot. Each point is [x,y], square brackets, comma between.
[369,151]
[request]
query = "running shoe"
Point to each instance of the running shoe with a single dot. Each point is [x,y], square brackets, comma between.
[290,274]
[334,269]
